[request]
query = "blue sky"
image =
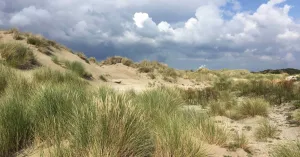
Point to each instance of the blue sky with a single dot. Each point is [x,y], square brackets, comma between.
[185,34]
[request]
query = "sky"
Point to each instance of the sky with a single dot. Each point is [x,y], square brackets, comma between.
[185,34]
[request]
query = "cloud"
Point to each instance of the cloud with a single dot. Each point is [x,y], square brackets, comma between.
[183,34]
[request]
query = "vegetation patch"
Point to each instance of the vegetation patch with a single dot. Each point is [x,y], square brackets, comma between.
[266,130]
[79,69]
[254,106]
[83,57]
[18,55]
[118,59]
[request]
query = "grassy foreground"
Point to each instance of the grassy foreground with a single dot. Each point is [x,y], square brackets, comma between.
[57,112]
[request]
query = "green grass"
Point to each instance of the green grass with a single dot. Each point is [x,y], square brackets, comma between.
[291,149]
[46,75]
[266,130]
[253,107]
[17,55]
[78,68]
[37,41]
[46,113]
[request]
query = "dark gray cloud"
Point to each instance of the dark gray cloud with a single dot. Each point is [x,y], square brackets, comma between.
[184,34]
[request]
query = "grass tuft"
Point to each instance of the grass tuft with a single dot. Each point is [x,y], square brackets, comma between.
[266,130]
[253,107]
[17,55]
[79,69]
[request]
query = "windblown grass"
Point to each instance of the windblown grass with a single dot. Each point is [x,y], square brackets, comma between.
[17,55]
[48,112]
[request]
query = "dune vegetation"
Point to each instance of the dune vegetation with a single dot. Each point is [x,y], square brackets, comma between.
[59,113]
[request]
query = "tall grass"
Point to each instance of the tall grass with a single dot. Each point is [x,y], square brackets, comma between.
[48,112]
[52,76]
[17,55]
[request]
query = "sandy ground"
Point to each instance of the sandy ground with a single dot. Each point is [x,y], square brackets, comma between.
[278,116]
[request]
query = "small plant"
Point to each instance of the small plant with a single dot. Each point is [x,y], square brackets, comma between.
[266,130]
[78,68]
[254,106]
[17,55]
[103,78]
[291,149]
[83,57]
[239,141]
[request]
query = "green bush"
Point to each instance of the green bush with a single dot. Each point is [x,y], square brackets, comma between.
[17,55]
